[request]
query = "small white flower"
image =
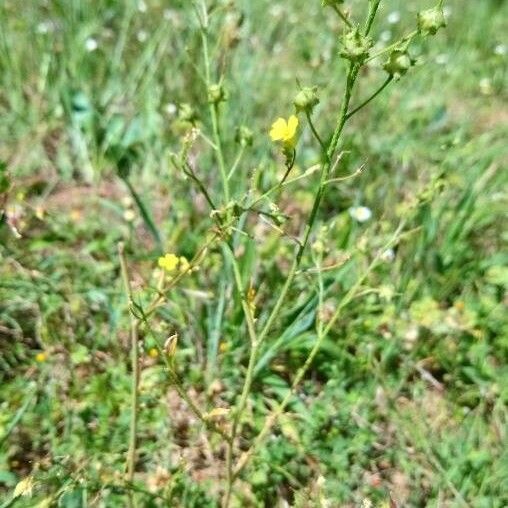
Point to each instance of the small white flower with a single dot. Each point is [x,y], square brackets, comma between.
[141,6]
[500,50]
[447,11]
[91,44]
[142,36]
[360,213]
[388,255]
[45,27]
[442,59]
[393,17]
[170,109]
[129,215]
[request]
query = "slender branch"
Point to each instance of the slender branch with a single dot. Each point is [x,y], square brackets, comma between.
[342,15]
[131,454]
[373,7]
[237,162]
[187,169]
[213,106]
[315,132]
[278,186]
[388,80]
[289,167]
[381,52]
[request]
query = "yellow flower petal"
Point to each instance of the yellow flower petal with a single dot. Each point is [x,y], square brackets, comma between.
[292,126]
[279,129]
[168,262]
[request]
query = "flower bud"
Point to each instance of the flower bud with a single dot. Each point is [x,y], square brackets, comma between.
[244,136]
[306,99]
[398,63]
[216,93]
[170,345]
[355,46]
[431,20]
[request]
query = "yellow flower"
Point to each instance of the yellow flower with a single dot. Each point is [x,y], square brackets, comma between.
[41,357]
[168,262]
[285,131]
[153,353]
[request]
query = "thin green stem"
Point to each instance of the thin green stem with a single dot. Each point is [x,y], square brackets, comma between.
[236,162]
[131,454]
[392,46]
[248,377]
[342,16]
[214,112]
[213,106]
[388,80]
[315,132]
[373,7]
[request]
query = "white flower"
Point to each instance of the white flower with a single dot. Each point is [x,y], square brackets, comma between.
[91,44]
[442,59]
[45,27]
[500,50]
[170,109]
[142,36]
[141,6]
[360,213]
[129,215]
[393,17]
[447,11]
[388,255]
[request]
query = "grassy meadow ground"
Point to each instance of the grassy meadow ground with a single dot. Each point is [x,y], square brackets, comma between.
[407,398]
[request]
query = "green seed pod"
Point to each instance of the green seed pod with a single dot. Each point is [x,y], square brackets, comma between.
[244,136]
[398,63]
[430,21]
[355,46]
[306,99]
[216,93]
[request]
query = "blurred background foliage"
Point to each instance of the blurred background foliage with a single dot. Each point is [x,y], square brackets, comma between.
[407,397]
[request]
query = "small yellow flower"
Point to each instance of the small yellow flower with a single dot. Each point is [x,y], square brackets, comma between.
[285,131]
[168,262]
[153,353]
[41,357]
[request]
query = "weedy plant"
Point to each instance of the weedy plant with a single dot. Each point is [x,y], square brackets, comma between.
[242,202]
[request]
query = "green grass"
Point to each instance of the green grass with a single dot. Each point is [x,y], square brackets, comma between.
[409,393]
